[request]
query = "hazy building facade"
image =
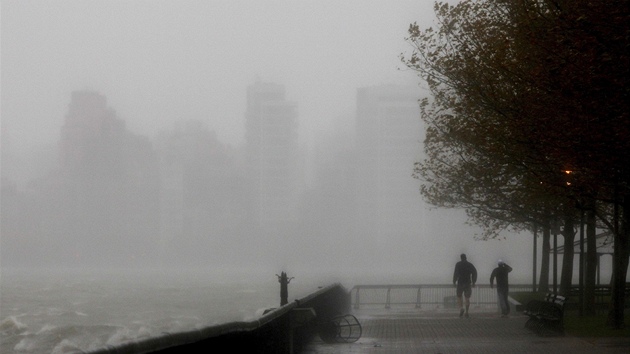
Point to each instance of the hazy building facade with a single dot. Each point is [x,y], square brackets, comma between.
[389,136]
[104,208]
[200,191]
[272,149]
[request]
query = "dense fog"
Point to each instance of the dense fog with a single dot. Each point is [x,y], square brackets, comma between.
[223,136]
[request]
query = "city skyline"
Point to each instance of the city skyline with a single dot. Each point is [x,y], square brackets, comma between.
[155,69]
[162,62]
[94,143]
[338,201]
[43,153]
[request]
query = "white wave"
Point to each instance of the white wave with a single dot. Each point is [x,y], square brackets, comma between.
[144,332]
[260,312]
[46,328]
[25,345]
[120,336]
[53,311]
[11,325]
[99,314]
[66,347]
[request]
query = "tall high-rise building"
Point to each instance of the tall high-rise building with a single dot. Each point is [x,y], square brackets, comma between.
[272,153]
[389,141]
[90,132]
[106,204]
[199,192]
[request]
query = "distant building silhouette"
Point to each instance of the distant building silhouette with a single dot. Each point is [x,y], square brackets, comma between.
[272,153]
[200,192]
[107,204]
[389,137]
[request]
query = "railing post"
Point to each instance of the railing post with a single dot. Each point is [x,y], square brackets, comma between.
[555,262]
[419,298]
[356,298]
[388,301]
[535,256]
[284,281]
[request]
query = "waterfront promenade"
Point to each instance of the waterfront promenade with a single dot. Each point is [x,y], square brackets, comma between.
[442,331]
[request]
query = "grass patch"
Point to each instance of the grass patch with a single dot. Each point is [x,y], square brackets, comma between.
[595,326]
[574,325]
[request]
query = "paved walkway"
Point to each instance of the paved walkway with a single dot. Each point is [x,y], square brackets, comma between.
[418,331]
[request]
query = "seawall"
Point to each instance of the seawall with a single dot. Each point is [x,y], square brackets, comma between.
[282,330]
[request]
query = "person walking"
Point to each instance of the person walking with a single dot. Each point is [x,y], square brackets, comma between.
[501,274]
[464,278]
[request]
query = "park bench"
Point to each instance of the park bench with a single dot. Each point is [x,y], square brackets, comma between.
[546,317]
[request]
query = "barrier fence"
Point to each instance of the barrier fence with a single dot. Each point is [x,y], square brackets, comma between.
[422,295]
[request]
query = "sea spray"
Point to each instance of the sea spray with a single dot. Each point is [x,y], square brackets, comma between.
[69,312]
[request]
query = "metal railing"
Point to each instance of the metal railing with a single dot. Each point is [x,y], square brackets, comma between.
[422,295]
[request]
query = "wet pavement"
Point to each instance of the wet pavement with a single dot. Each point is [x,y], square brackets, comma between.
[443,331]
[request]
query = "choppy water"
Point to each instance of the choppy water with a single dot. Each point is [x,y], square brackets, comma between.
[69,312]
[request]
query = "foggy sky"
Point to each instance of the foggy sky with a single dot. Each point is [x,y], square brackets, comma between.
[158,61]
[162,61]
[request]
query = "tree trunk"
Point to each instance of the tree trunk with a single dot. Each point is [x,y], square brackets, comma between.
[567,259]
[620,269]
[591,264]
[543,284]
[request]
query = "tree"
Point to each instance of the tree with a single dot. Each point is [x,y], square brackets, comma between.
[543,280]
[528,113]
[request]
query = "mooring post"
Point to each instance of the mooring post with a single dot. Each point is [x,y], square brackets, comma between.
[284,281]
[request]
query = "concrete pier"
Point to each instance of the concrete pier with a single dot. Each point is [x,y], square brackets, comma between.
[442,331]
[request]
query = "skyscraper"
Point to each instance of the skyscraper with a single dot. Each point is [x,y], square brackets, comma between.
[199,192]
[389,142]
[272,153]
[106,204]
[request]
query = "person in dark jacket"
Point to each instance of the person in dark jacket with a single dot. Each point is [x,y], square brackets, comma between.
[464,278]
[501,274]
